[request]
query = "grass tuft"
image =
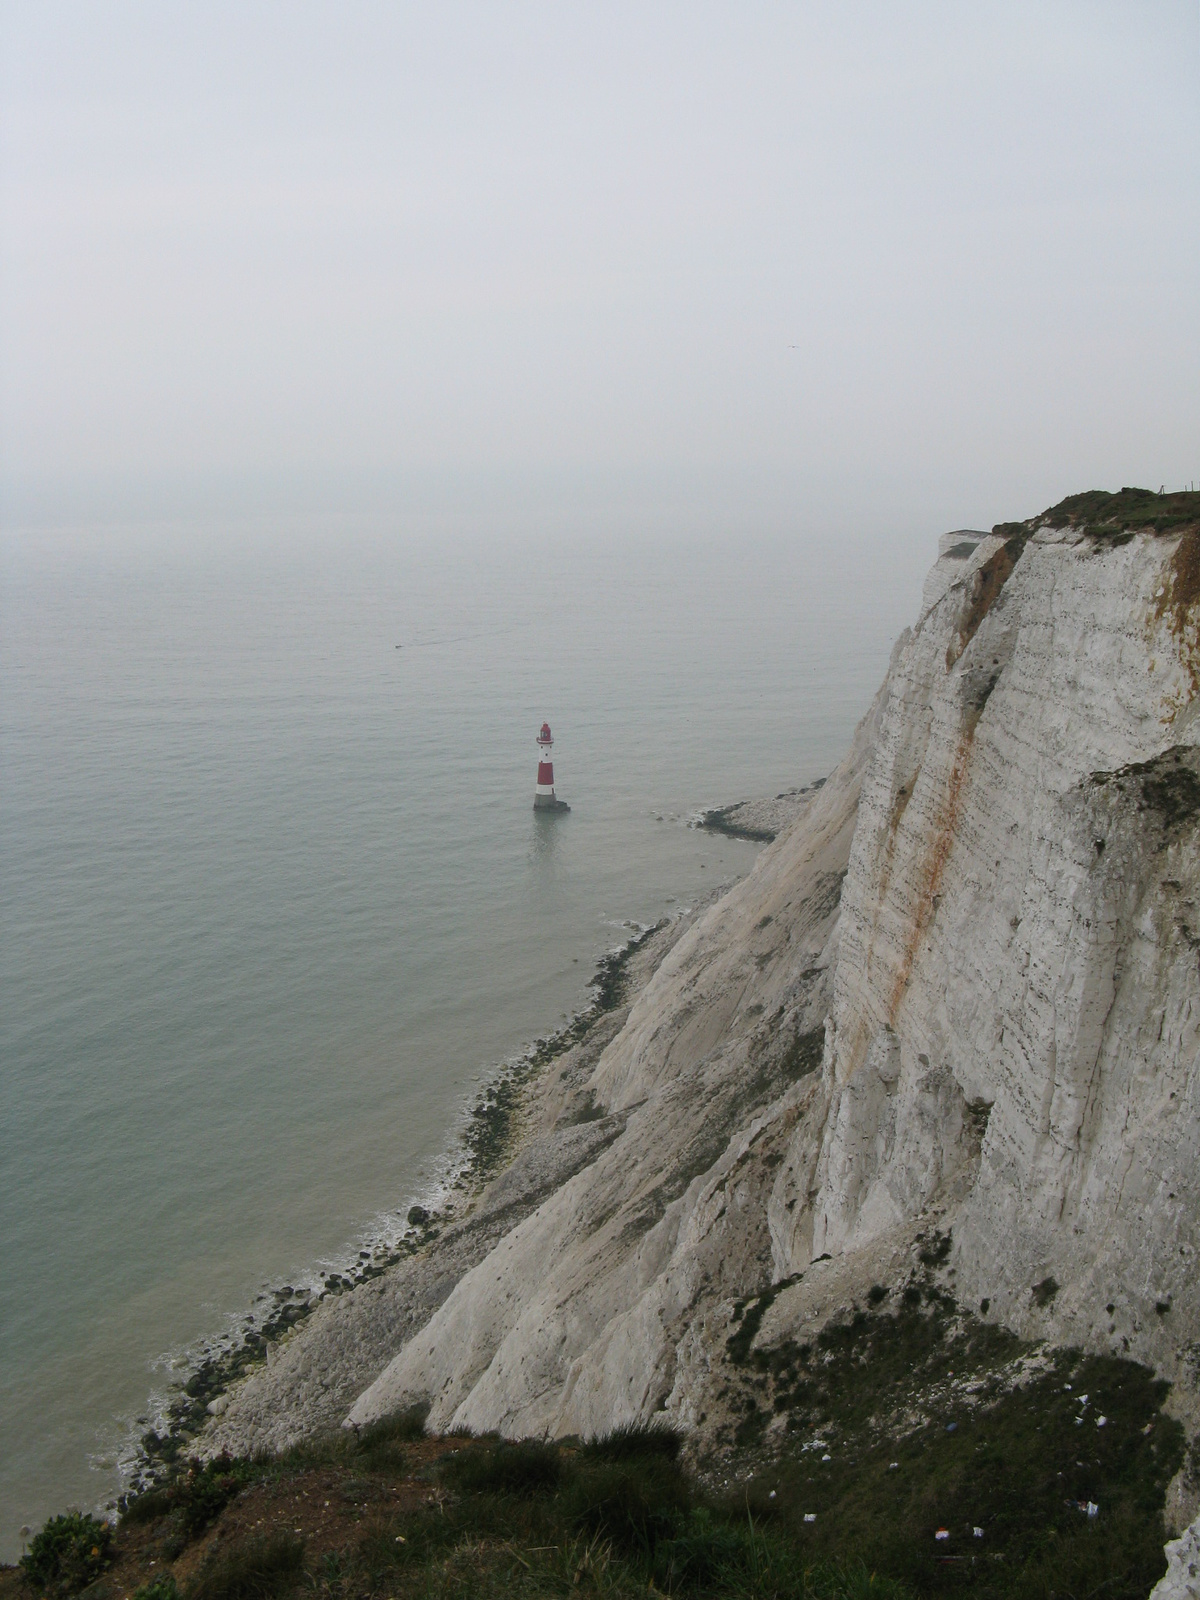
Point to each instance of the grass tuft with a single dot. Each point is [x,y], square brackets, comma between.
[703,1552]
[633,1441]
[250,1569]
[524,1468]
[632,1504]
[163,1587]
[382,1444]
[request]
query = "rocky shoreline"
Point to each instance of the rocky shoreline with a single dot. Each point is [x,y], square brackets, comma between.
[492,1181]
[761,820]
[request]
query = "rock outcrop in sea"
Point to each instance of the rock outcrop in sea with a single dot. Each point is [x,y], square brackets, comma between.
[957,999]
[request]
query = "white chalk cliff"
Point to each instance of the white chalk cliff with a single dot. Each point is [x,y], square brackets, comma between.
[962,990]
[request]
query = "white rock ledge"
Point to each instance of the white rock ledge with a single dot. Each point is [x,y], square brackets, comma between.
[1181,1581]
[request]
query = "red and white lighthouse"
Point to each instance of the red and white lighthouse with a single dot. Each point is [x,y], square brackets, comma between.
[544,798]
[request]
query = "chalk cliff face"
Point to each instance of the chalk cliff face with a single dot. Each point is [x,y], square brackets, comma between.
[1012,991]
[960,992]
[1017,997]
[597,1308]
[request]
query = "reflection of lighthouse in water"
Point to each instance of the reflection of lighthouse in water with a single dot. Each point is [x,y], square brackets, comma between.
[544,798]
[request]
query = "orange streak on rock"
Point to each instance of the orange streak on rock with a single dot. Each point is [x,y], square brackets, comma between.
[934,868]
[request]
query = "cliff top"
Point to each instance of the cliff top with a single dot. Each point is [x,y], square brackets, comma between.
[1105,515]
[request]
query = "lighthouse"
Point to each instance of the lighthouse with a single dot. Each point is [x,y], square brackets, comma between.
[544,798]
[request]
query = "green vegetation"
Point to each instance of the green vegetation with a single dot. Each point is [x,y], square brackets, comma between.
[1108,520]
[1168,787]
[803,1054]
[853,1450]
[69,1553]
[1172,789]
[617,1516]
[190,1501]
[1109,517]
[380,1445]
[1111,520]
[915,1416]
[747,1319]
[634,1441]
[522,1468]
[250,1569]
[160,1588]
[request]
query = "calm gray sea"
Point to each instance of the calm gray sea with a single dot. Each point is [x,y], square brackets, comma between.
[274,898]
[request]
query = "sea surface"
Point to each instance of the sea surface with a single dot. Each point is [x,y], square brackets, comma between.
[274,900]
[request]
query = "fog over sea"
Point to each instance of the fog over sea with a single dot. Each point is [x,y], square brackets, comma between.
[274,898]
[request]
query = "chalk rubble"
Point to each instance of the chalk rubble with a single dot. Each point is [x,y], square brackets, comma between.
[1181,1581]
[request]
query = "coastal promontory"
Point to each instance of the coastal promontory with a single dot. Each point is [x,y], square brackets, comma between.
[869,1199]
[942,1040]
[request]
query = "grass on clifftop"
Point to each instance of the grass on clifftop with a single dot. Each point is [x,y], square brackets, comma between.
[908,1417]
[391,1515]
[911,1415]
[1114,517]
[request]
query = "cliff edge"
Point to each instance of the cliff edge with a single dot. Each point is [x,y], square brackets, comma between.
[957,1000]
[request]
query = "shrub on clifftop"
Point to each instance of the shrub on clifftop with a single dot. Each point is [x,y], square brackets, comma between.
[70,1552]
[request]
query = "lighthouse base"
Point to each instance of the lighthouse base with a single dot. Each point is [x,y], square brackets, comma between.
[549,802]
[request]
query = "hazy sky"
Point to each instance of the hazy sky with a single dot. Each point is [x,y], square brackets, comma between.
[699,263]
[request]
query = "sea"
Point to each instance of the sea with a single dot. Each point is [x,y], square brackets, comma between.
[274,900]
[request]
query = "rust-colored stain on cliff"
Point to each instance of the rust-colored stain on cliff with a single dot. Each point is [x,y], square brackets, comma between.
[1179,599]
[985,588]
[1182,589]
[935,865]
